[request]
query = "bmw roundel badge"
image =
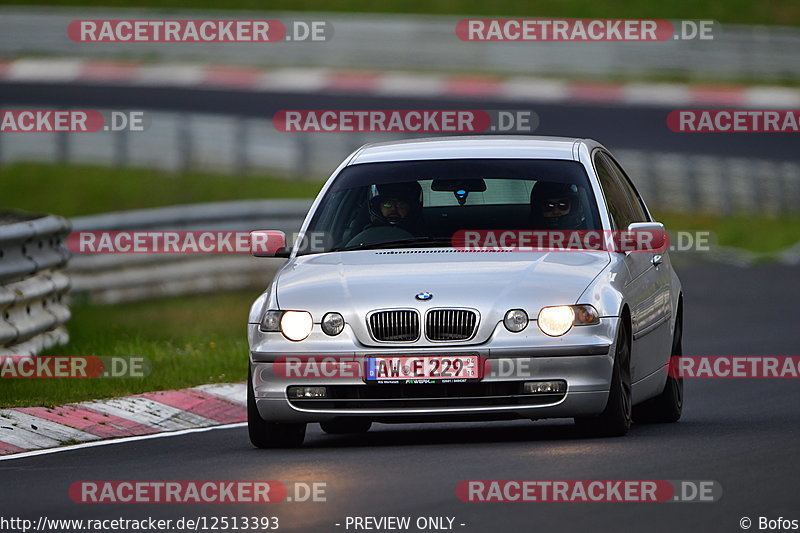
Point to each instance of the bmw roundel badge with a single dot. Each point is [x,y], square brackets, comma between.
[424,296]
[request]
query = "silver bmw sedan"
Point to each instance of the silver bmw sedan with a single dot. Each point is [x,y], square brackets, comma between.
[469,279]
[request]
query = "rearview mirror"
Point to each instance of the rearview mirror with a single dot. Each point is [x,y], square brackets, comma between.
[469,185]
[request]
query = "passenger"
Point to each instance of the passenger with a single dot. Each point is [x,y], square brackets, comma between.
[557,206]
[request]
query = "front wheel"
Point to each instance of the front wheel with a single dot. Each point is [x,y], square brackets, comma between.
[615,420]
[667,406]
[265,434]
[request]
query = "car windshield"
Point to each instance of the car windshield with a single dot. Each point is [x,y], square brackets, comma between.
[424,203]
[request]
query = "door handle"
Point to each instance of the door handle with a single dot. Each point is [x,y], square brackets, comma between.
[657,260]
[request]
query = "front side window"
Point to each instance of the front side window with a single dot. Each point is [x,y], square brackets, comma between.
[640,214]
[619,208]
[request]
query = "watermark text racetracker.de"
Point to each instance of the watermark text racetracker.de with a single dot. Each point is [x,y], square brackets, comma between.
[198,492]
[734,121]
[70,120]
[735,366]
[177,242]
[73,367]
[583,30]
[257,31]
[405,120]
[654,241]
[588,491]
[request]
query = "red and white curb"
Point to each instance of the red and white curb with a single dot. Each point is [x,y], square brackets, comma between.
[33,428]
[390,83]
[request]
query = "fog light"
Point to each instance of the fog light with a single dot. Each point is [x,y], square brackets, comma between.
[538,387]
[515,320]
[307,392]
[332,324]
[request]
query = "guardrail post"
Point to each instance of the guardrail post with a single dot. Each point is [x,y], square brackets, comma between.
[62,147]
[788,187]
[121,148]
[303,156]
[302,166]
[693,175]
[241,161]
[184,133]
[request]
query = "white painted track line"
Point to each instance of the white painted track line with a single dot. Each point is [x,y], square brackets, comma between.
[122,440]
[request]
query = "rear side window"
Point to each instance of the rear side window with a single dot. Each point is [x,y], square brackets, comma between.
[619,206]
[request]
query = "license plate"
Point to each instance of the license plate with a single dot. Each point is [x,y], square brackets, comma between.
[423,369]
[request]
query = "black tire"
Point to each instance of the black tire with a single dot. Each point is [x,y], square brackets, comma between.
[615,420]
[342,426]
[667,407]
[270,434]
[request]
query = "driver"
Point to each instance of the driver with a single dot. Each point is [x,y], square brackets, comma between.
[394,213]
[396,204]
[557,206]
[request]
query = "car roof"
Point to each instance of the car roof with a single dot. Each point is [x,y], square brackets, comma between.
[472,147]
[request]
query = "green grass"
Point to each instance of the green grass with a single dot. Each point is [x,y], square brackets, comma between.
[188,341]
[784,12]
[757,234]
[82,190]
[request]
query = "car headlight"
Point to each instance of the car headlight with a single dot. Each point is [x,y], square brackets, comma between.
[556,321]
[515,320]
[296,325]
[332,324]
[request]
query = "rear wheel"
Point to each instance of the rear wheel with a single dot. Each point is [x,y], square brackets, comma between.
[265,434]
[615,420]
[667,406]
[346,425]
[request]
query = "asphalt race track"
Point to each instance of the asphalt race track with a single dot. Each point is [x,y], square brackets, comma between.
[630,127]
[744,434]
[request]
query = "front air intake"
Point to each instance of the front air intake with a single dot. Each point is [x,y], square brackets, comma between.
[400,325]
[450,324]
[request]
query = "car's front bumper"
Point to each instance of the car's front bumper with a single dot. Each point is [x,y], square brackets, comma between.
[584,360]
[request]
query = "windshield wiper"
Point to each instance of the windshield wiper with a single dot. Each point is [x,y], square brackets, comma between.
[399,243]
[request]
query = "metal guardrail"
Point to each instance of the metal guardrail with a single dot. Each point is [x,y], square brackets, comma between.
[33,286]
[111,278]
[418,42]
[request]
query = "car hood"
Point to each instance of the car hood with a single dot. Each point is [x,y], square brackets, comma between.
[356,282]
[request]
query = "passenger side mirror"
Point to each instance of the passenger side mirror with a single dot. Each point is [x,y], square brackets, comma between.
[268,243]
[643,237]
